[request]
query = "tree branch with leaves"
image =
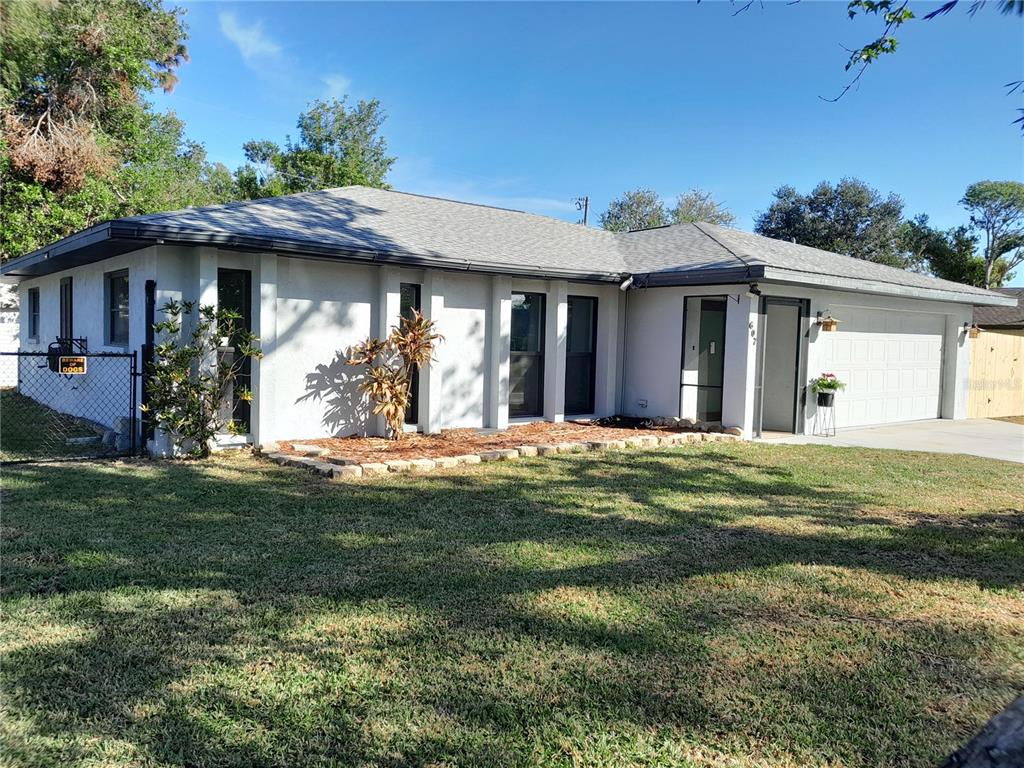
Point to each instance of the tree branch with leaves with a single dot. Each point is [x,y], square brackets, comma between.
[191,375]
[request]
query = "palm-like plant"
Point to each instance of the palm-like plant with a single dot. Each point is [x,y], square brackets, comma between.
[390,365]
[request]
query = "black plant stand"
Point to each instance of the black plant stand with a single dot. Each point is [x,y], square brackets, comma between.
[825,415]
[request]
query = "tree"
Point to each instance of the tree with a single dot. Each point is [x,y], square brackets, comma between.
[997,211]
[159,171]
[189,378]
[391,364]
[636,209]
[850,218]
[697,206]
[80,144]
[950,255]
[337,146]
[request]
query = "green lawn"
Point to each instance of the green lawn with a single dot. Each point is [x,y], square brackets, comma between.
[30,430]
[708,605]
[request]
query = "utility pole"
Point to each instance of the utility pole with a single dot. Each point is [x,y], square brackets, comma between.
[583,204]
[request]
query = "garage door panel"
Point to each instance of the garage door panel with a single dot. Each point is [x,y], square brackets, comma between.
[891,362]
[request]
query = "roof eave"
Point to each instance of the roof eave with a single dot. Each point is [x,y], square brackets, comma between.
[131,235]
[861,285]
[711,276]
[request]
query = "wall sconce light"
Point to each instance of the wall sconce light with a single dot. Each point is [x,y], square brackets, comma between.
[974,331]
[827,322]
[753,292]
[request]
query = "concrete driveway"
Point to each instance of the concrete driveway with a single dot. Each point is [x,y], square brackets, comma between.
[988,438]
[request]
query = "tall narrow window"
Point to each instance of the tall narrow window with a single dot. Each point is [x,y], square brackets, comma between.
[33,314]
[581,355]
[67,328]
[234,292]
[409,300]
[526,358]
[117,308]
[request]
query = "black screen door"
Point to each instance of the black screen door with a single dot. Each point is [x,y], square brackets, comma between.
[711,360]
[234,292]
[581,355]
[526,374]
[409,300]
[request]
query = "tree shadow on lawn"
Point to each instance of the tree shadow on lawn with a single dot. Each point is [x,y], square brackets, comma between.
[246,614]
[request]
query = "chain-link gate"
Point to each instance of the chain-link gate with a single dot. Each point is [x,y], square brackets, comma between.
[67,404]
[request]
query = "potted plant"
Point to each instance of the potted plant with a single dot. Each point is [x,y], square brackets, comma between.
[826,386]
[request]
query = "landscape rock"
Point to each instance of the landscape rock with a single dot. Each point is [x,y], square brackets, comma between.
[373,468]
[571,447]
[309,450]
[347,471]
[322,468]
[527,450]
[399,465]
[422,465]
[341,461]
[468,458]
[546,449]
[500,455]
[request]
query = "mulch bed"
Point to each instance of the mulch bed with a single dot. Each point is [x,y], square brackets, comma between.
[458,442]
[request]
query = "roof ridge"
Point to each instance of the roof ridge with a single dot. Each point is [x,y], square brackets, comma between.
[585,228]
[231,204]
[739,258]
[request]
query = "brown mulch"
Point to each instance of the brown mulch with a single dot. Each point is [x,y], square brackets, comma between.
[457,442]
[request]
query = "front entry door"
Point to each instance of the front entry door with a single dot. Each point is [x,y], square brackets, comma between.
[234,292]
[711,360]
[581,355]
[779,386]
[526,374]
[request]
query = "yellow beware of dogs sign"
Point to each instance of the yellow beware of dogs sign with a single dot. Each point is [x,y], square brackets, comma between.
[73,365]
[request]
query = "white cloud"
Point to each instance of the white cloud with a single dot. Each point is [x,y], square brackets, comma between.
[250,39]
[336,86]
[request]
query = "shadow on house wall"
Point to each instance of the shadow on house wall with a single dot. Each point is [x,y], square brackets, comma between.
[336,386]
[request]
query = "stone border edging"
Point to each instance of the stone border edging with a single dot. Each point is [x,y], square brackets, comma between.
[345,469]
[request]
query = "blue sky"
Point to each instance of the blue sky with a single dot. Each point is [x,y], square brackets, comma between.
[528,105]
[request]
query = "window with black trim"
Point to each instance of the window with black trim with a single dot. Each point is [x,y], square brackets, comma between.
[409,301]
[117,308]
[33,313]
[67,329]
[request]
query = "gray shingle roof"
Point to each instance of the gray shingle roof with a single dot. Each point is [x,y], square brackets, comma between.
[801,258]
[381,221]
[384,225]
[1002,317]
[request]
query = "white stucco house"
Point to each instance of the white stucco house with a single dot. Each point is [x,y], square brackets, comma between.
[542,319]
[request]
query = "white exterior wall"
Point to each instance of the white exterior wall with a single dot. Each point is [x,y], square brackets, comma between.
[309,313]
[87,396]
[653,334]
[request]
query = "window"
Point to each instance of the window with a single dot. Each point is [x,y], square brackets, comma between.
[67,330]
[117,308]
[409,300]
[526,357]
[33,314]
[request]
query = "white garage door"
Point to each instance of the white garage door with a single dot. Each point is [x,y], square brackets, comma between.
[891,363]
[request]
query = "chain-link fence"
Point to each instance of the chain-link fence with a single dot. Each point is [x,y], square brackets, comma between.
[66,404]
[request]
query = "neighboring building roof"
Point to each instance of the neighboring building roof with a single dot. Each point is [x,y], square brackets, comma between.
[385,226]
[1002,317]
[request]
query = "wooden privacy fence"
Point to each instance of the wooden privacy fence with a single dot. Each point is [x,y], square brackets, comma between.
[996,384]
